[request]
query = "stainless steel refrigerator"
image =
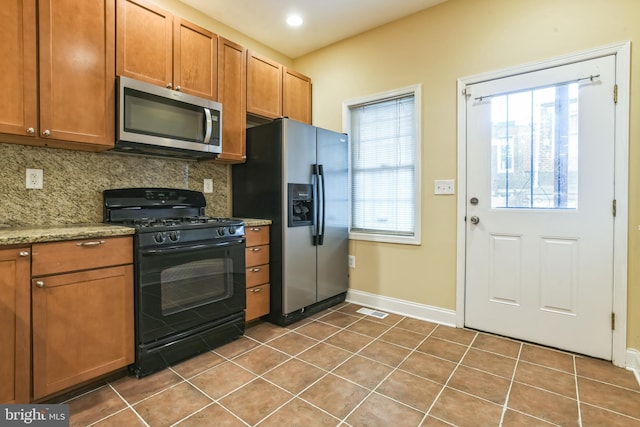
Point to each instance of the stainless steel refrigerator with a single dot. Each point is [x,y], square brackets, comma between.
[296,175]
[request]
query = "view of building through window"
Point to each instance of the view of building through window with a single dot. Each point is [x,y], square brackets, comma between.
[535,148]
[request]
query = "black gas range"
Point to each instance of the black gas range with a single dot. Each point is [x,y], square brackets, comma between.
[189,273]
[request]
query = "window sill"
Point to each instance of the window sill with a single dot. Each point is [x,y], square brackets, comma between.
[386,238]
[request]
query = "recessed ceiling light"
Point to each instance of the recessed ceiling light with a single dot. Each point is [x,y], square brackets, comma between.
[294,20]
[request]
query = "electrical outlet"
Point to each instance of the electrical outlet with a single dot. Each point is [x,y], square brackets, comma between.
[34,179]
[444,186]
[352,261]
[208,185]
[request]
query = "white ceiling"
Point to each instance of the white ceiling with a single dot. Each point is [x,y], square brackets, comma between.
[325,21]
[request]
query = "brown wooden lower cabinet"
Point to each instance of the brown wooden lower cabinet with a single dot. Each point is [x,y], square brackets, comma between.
[257,279]
[82,321]
[15,264]
[82,327]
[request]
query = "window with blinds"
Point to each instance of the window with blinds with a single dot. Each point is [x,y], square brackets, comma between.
[384,169]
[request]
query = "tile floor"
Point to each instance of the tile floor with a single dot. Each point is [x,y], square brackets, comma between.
[344,368]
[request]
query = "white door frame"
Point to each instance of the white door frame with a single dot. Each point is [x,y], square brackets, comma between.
[622,51]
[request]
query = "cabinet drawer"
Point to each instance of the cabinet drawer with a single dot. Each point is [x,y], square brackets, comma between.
[257,275]
[257,302]
[257,235]
[257,255]
[76,255]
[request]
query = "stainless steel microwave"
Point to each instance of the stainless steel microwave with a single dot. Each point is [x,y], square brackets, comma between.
[158,121]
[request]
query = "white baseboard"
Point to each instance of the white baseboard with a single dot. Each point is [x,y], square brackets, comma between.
[633,362]
[402,307]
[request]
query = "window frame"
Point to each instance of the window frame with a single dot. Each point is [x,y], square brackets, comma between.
[416,91]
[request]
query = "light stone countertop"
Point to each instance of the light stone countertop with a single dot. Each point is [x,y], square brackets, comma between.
[25,235]
[255,222]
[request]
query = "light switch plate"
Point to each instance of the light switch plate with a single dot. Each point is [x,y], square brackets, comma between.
[444,186]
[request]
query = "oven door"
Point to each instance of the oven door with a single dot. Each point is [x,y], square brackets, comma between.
[185,287]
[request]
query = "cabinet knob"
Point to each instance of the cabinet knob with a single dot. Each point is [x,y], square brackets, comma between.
[46,132]
[178,88]
[24,253]
[256,249]
[31,131]
[256,290]
[40,283]
[169,85]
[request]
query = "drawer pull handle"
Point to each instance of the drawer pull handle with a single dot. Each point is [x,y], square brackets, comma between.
[256,249]
[256,290]
[40,283]
[256,269]
[255,229]
[24,253]
[94,243]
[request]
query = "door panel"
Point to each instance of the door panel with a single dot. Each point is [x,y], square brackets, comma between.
[299,281]
[332,254]
[540,161]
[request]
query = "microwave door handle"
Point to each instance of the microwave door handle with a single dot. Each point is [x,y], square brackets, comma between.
[209,123]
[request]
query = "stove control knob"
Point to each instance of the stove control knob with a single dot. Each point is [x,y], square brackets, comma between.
[220,231]
[159,237]
[232,229]
[174,236]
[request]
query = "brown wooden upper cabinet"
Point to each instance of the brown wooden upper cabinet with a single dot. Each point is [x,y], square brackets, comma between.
[274,90]
[74,58]
[232,93]
[154,46]
[264,86]
[296,95]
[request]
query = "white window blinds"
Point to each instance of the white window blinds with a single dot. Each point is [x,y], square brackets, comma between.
[383,166]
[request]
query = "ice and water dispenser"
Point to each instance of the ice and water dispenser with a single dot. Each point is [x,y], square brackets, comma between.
[300,205]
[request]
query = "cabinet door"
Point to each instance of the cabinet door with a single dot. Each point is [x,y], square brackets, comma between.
[257,302]
[18,105]
[264,86]
[296,97]
[77,54]
[195,60]
[82,327]
[144,42]
[232,93]
[15,353]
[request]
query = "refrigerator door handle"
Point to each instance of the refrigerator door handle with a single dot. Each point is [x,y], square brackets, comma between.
[321,215]
[316,222]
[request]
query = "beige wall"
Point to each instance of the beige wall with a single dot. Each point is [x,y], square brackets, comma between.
[434,48]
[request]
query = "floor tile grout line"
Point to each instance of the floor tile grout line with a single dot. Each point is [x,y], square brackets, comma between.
[611,410]
[575,379]
[395,368]
[596,380]
[444,386]
[205,407]
[505,406]
[344,420]
[128,406]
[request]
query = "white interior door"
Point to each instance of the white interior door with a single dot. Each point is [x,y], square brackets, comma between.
[539,214]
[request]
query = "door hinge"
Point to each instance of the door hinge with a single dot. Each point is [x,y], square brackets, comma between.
[615,94]
[466,93]
[614,207]
[613,321]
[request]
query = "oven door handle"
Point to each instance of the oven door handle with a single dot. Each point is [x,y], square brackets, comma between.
[178,249]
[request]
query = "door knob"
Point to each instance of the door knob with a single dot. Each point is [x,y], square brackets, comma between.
[475,220]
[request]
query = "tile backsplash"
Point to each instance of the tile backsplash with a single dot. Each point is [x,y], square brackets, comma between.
[74,180]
